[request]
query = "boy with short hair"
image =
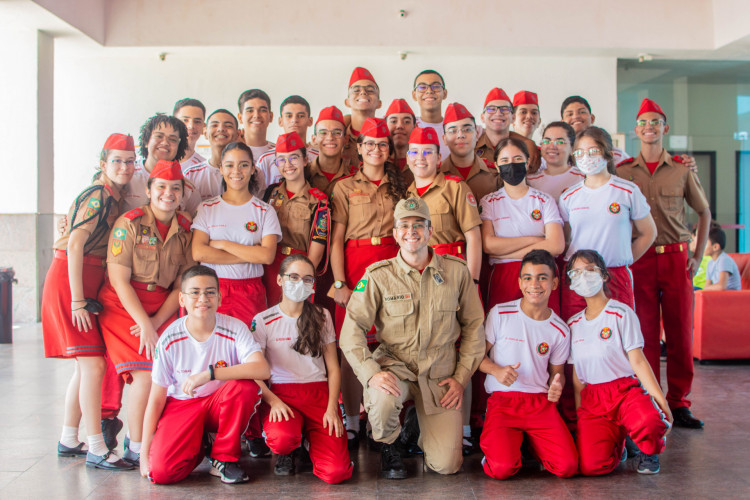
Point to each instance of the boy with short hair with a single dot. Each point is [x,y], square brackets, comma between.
[329,137]
[722,272]
[255,116]
[203,373]
[429,91]
[527,346]
[294,117]
[192,113]
[363,98]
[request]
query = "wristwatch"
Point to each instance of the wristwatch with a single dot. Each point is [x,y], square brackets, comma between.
[338,285]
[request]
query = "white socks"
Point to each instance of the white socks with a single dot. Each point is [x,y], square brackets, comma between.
[352,423]
[69,436]
[467,431]
[97,446]
[134,446]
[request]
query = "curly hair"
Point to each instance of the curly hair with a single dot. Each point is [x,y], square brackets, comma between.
[153,123]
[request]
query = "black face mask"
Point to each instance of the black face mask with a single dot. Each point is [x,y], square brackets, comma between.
[513,173]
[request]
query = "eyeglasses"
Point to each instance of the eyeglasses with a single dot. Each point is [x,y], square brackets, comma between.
[195,294]
[294,278]
[579,153]
[417,226]
[336,134]
[574,273]
[655,122]
[515,159]
[359,89]
[370,145]
[466,130]
[118,162]
[281,161]
[557,142]
[426,154]
[491,110]
[423,87]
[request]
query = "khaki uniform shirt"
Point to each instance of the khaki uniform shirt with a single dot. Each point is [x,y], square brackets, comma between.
[666,191]
[418,318]
[484,149]
[350,153]
[90,216]
[482,179]
[296,217]
[366,210]
[318,180]
[136,243]
[453,208]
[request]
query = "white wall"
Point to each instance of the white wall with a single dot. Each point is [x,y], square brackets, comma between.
[99,91]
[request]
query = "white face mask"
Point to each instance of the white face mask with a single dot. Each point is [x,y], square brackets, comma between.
[587,284]
[297,292]
[591,165]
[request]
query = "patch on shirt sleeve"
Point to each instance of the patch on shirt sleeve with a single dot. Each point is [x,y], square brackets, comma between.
[361,286]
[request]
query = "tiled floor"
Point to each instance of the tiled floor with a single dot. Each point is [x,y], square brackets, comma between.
[713,463]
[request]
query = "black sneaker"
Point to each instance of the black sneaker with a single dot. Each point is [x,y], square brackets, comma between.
[409,436]
[467,445]
[683,417]
[352,439]
[101,462]
[284,465]
[78,451]
[302,454]
[391,465]
[631,448]
[110,428]
[259,448]
[229,472]
[649,464]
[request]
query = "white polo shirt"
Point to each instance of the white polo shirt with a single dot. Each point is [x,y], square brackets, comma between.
[206,179]
[178,355]
[245,224]
[599,347]
[554,185]
[525,216]
[277,333]
[515,337]
[601,219]
[195,159]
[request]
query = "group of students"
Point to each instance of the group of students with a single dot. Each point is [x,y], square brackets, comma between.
[265,220]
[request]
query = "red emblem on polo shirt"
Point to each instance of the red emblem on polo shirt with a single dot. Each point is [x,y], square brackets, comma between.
[542,348]
[536,215]
[614,208]
[251,226]
[221,364]
[605,333]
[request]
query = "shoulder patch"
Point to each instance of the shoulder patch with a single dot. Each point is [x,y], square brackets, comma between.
[109,189]
[453,257]
[353,171]
[488,163]
[317,193]
[378,264]
[183,221]
[134,214]
[678,159]
[625,162]
[452,177]
[361,285]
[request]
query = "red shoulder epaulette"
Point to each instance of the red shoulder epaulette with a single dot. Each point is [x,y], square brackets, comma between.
[452,177]
[488,163]
[109,189]
[345,177]
[317,193]
[184,222]
[134,214]
[678,159]
[623,162]
[352,170]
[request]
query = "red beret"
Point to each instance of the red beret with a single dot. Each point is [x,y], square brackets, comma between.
[361,74]
[399,106]
[496,94]
[455,112]
[375,128]
[286,143]
[648,105]
[331,113]
[525,97]
[167,170]
[121,142]
[423,136]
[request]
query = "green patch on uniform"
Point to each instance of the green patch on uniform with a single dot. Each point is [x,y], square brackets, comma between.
[95,203]
[252,326]
[120,234]
[361,286]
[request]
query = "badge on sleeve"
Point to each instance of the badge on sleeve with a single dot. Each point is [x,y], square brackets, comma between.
[118,239]
[361,286]
[471,200]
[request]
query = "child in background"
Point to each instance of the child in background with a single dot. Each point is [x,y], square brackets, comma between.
[721,272]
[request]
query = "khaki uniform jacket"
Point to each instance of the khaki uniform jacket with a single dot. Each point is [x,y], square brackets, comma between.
[453,208]
[92,216]
[483,179]
[136,243]
[666,192]
[318,180]
[484,149]
[350,153]
[366,210]
[296,218]
[418,318]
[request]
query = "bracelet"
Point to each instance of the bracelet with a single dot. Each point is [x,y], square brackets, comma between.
[82,300]
[78,308]
[211,371]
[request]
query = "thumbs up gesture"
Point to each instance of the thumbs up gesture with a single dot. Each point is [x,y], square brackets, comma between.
[555,389]
[506,375]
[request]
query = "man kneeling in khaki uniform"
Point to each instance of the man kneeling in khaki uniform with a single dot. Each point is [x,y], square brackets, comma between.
[421,303]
